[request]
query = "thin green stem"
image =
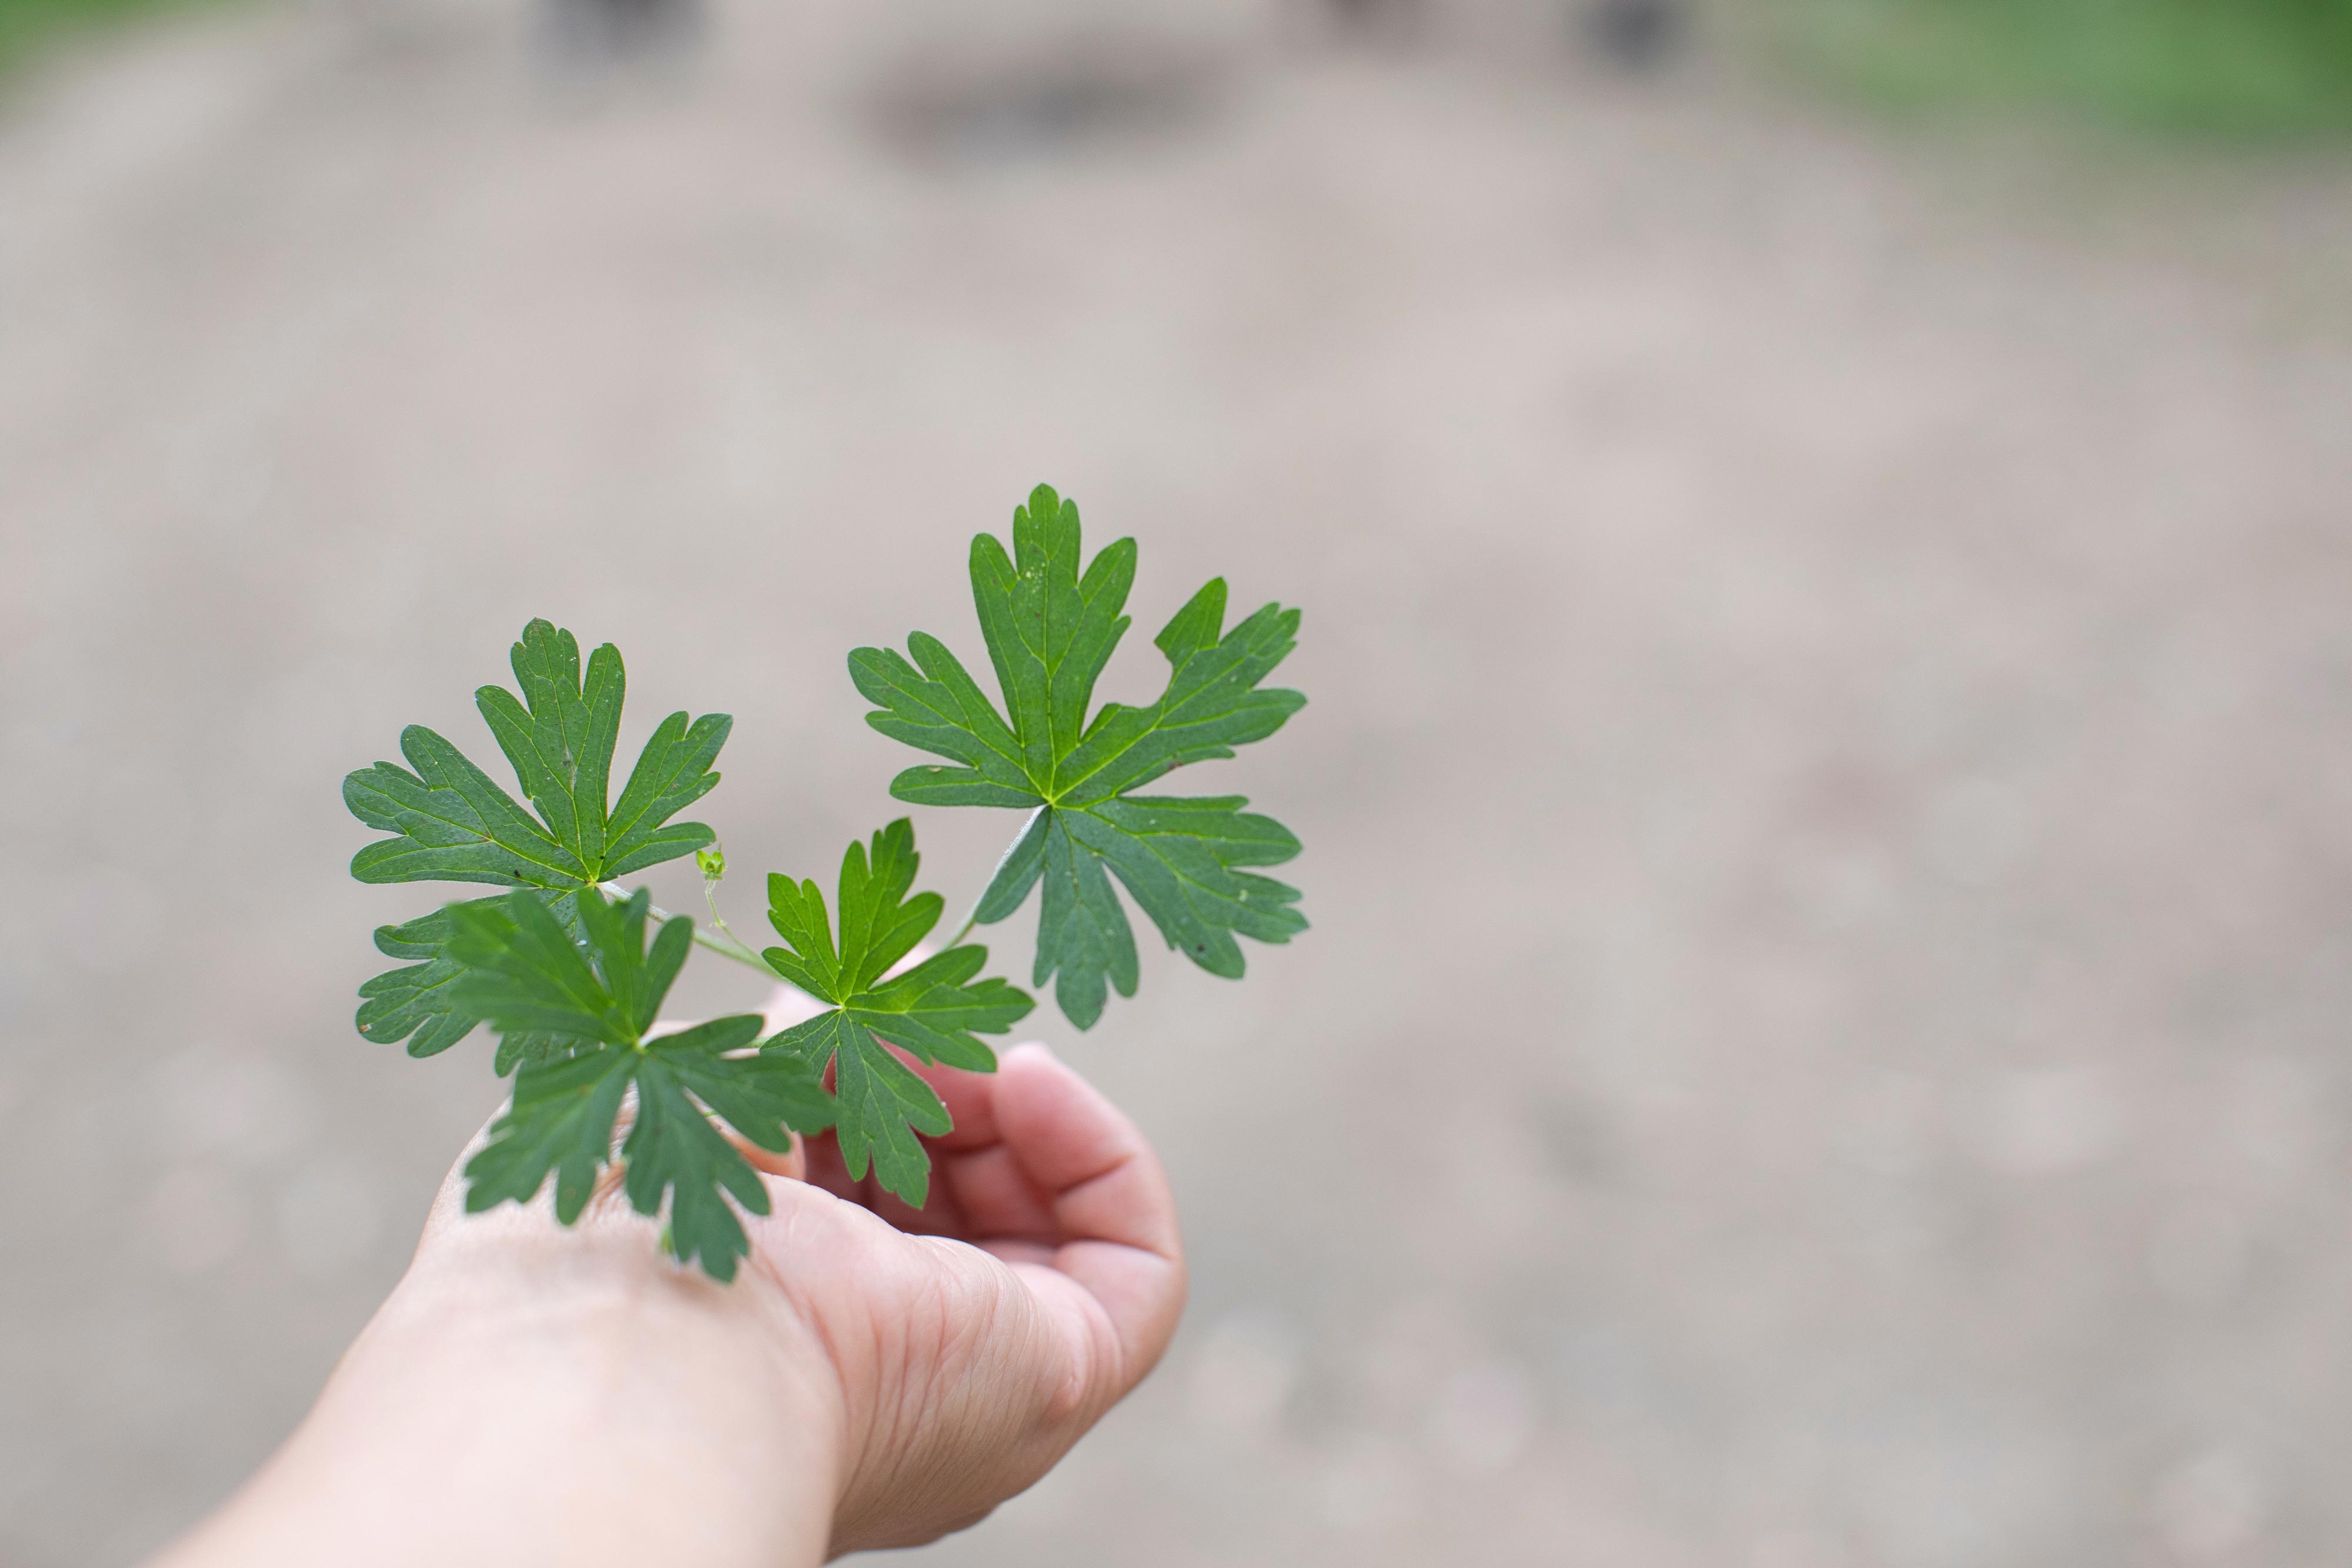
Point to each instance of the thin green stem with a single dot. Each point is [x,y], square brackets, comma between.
[725,943]
[726,946]
[972,919]
[711,897]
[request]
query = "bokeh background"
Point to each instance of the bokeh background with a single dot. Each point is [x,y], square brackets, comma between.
[1826,537]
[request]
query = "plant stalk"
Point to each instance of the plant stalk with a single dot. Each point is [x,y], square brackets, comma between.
[723,942]
[972,919]
[727,945]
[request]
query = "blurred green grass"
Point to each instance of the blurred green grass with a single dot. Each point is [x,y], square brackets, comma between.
[2222,68]
[27,28]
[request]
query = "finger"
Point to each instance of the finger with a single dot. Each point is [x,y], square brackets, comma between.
[1111,1205]
[939,1215]
[1033,1252]
[971,1099]
[791,1164]
[1075,1147]
[826,1168]
[1000,1203]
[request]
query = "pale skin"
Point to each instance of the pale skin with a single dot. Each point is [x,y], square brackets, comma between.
[874,1377]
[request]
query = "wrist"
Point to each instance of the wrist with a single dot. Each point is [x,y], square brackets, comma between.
[579,1401]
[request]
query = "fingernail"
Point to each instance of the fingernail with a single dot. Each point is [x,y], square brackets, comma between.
[1034,1048]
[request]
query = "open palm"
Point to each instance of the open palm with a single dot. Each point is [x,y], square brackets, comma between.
[981,1335]
[962,1348]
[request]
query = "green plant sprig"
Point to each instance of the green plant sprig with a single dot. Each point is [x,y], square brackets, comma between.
[561,965]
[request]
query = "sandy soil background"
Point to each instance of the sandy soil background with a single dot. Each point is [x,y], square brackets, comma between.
[1828,789]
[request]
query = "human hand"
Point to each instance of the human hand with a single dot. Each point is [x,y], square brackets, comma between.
[976,1339]
[875,1376]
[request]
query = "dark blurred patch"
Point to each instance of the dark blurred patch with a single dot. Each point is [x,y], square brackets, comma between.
[976,110]
[596,33]
[1377,18]
[1637,34]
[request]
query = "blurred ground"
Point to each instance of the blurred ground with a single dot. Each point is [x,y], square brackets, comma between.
[1828,789]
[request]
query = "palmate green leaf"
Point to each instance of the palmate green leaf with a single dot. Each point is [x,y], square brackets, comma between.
[936,1010]
[452,823]
[561,1121]
[879,1102]
[519,967]
[418,1003]
[1050,631]
[414,1003]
